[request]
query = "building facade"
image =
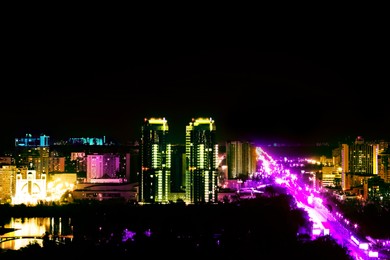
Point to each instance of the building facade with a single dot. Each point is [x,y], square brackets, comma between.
[7,183]
[241,159]
[32,141]
[178,169]
[359,162]
[30,186]
[102,166]
[119,191]
[202,161]
[384,165]
[155,155]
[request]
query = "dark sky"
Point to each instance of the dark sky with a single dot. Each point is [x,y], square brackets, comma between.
[98,79]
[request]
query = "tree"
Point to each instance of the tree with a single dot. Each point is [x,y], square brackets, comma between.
[337,182]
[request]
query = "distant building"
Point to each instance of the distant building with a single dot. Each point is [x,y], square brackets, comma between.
[7,183]
[79,161]
[56,164]
[30,141]
[6,160]
[102,166]
[63,162]
[384,165]
[202,161]
[359,162]
[155,153]
[87,140]
[124,192]
[33,157]
[330,177]
[241,159]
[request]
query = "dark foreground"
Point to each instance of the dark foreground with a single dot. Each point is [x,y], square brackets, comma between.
[261,228]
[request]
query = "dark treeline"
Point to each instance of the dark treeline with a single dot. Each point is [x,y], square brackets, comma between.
[372,218]
[261,228]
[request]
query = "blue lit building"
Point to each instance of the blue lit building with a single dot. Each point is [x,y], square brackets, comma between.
[30,141]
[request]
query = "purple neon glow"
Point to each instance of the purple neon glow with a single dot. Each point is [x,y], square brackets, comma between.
[268,164]
[148,233]
[127,234]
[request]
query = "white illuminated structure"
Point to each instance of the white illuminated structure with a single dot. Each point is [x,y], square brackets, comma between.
[29,188]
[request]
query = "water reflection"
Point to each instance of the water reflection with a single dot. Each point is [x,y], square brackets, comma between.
[35,227]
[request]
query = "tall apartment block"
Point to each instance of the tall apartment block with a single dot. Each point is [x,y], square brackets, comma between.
[384,165]
[241,159]
[359,162]
[155,154]
[202,161]
[7,183]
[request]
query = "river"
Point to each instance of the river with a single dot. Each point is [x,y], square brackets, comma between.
[34,227]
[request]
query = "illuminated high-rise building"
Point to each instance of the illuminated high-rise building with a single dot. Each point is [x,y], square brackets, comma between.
[80,161]
[56,164]
[30,141]
[384,165]
[155,154]
[359,161]
[202,161]
[94,167]
[7,183]
[38,157]
[241,159]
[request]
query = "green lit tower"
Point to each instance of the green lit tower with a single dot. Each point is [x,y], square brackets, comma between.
[202,162]
[155,154]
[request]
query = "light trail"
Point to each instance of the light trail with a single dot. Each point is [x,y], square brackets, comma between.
[269,167]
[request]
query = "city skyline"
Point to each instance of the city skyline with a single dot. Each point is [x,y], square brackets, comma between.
[102,139]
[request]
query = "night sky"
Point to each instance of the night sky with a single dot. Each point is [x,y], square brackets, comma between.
[99,79]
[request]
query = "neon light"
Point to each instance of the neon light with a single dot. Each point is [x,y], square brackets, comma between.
[355,240]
